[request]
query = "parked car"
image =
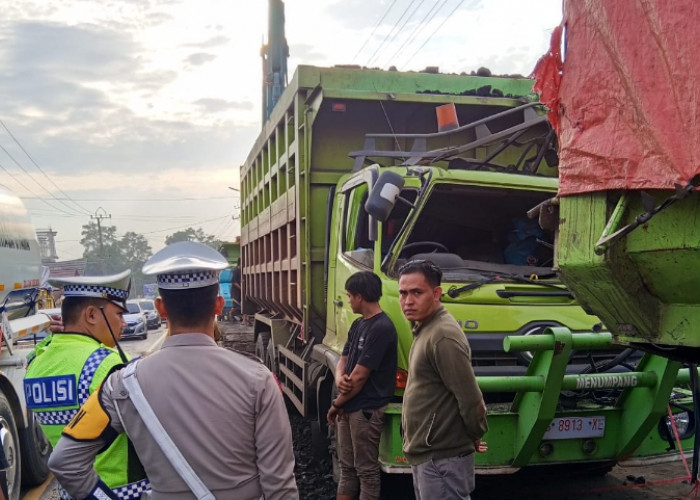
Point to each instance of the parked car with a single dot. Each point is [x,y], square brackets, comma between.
[135,322]
[152,317]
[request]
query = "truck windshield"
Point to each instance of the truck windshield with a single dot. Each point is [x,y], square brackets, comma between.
[474,232]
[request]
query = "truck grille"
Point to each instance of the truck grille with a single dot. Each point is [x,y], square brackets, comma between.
[489,358]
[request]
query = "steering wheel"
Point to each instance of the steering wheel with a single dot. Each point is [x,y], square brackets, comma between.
[432,244]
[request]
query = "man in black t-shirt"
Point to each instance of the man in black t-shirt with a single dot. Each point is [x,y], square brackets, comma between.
[365,377]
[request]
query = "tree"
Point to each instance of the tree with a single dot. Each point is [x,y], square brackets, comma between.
[107,254]
[135,247]
[101,249]
[134,252]
[191,234]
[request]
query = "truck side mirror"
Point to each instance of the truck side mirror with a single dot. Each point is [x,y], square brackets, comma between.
[385,192]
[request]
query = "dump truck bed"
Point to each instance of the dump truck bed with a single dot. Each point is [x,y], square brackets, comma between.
[302,152]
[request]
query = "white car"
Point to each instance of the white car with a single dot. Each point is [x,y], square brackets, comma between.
[152,316]
[135,322]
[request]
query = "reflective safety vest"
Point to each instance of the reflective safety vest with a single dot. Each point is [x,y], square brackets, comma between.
[62,372]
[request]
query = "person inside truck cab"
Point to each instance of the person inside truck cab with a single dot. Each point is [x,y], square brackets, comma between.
[72,363]
[365,377]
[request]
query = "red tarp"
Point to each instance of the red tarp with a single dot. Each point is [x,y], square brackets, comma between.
[625,102]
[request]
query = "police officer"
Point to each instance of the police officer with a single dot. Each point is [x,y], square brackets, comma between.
[68,366]
[221,411]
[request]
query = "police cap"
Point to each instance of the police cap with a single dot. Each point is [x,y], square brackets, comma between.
[114,287]
[185,265]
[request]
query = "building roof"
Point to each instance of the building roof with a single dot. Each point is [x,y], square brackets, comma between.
[66,268]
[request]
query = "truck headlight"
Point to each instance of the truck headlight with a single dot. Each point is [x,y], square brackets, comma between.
[685,424]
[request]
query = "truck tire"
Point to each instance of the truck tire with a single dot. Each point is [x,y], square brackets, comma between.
[271,357]
[36,449]
[261,346]
[319,441]
[10,445]
[320,444]
[333,439]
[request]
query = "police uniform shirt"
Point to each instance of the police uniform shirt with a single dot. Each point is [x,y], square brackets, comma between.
[224,412]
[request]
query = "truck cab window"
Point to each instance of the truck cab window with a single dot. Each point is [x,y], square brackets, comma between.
[465,229]
[397,217]
[356,243]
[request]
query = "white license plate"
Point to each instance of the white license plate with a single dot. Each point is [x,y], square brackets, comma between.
[575,427]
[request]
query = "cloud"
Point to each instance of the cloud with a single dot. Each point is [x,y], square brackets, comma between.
[83,52]
[76,98]
[216,41]
[300,52]
[163,96]
[199,58]
[212,105]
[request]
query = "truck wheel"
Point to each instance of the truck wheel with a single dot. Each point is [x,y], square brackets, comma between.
[261,346]
[333,438]
[320,443]
[10,445]
[36,449]
[271,358]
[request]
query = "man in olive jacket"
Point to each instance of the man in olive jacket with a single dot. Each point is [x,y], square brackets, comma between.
[444,415]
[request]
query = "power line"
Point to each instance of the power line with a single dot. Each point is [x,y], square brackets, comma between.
[228,224]
[369,61]
[43,212]
[135,217]
[435,31]
[33,179]
[187,225]
[40,169]
[374,30]
[427,19]
[98,217]
[43,199]
[410,16]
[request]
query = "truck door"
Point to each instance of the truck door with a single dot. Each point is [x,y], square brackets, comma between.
[356,250]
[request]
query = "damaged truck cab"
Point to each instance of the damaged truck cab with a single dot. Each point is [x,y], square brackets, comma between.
[350,173]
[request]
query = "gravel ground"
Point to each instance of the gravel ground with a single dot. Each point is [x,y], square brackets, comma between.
[314,477]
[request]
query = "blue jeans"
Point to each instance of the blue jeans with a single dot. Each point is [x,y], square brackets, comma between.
[445,478]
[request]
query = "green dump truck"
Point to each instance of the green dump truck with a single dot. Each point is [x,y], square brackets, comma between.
[557,389]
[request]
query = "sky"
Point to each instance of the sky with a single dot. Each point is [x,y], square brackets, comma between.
[142,111]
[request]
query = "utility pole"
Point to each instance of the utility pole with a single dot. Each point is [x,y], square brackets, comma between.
[100,214]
